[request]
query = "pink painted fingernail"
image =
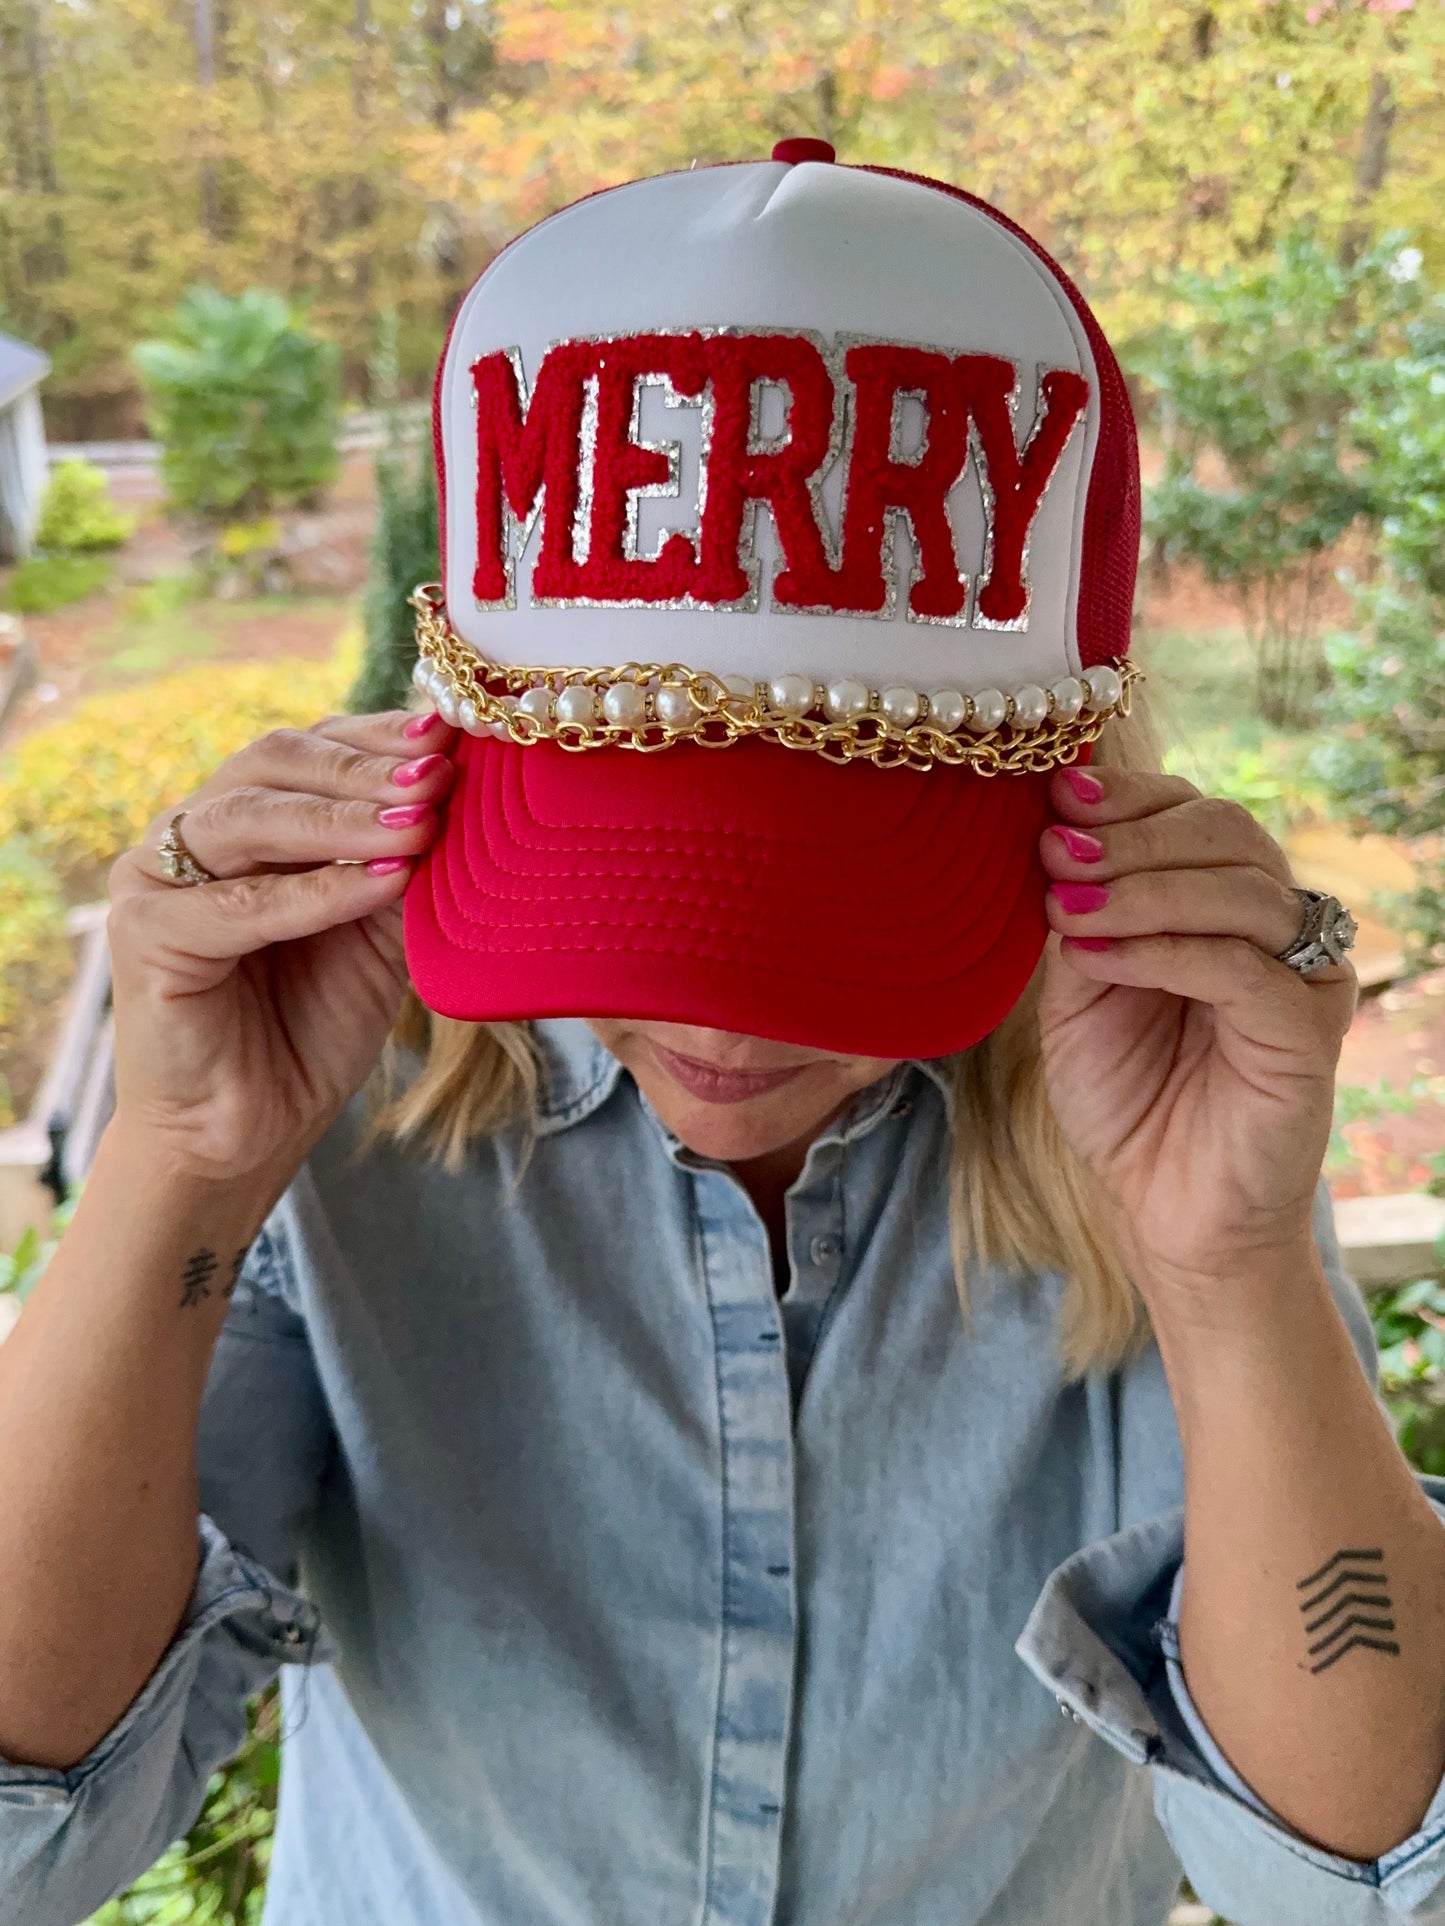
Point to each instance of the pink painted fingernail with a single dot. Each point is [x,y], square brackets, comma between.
[419,725]
[406,773]
[386,865]
[402,815]
[1077,899]
[1083,847]
[1090,942]
[1087,788]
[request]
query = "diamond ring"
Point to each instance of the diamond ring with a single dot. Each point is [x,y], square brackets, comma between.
[177,862]
[1327,932]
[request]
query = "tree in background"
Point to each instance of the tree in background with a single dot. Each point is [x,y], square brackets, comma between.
[243,399]
[404,545]
[1384,758]
[1138,138]
[1257,383]
[375,153]
[146,146]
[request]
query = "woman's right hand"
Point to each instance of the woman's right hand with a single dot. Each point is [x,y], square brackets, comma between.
[250,1009]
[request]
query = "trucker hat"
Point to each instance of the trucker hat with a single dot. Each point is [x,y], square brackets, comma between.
[790,520]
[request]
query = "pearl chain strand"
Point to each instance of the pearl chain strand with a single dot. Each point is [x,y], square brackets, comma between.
[629,704]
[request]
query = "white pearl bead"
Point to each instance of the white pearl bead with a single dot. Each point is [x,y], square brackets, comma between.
[947,709]
[739,685]
[900,706]
[990,706]
[421,669]
[499,730]
[1068,698]
[625,705]
[537,703]
[1031,705]
[435,683]
[467,716]
[791,695]
[674,707]
[846,700]
[447,703]
[577,704]
[1104,685]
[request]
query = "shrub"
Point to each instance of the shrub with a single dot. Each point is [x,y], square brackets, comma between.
[404,552]
[405,547]
[1410,1331]
[34,948]
[244,400]
[77,512]
[1266,770]
[84,789]
[44,582]
[1384,758]
[217,1875]
[1265,370]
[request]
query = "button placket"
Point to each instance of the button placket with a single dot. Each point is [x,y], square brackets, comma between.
[759,1622]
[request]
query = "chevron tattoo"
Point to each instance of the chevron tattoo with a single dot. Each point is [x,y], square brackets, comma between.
[1348,1605]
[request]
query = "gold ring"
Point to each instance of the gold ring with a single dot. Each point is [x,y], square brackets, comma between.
[176,860]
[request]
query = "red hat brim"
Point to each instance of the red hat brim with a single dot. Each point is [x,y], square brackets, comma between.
[876,912]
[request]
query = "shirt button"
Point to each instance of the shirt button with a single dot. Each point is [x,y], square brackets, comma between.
[825,1245]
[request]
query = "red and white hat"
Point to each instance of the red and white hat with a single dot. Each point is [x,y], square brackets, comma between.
[790,519]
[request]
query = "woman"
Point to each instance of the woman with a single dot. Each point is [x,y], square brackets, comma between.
[674,1466]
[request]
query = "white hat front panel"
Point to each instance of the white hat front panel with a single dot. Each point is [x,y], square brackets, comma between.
[841,259]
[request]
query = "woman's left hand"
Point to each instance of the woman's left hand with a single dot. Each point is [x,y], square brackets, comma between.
[1190,1069]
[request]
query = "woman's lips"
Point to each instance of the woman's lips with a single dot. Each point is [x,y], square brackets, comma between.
[705,1080]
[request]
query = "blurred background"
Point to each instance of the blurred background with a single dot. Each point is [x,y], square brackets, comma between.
[231,238]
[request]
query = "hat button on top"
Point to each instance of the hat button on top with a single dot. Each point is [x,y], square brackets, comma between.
[804,149]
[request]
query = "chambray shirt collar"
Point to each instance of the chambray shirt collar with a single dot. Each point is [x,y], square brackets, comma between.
[579,1074]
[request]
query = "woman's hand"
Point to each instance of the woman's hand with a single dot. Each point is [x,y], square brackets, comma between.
[248,1010]
[1189,1069]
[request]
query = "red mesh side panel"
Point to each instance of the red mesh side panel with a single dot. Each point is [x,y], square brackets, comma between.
[1110,558]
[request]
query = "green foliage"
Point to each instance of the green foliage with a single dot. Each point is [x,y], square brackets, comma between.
[238,540]
[1410,1331]
[34,947]
[1263,374]
[1402,428]
[44,582]
[86,787]
[244,399]
[217,1875]
[404,551]
[1266,770]
[1383,760]
[77,512]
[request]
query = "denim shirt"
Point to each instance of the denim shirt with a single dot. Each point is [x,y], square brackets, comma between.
[610,1588]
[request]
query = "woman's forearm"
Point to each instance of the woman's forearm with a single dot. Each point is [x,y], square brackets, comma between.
[1313,1622]
[100,1391]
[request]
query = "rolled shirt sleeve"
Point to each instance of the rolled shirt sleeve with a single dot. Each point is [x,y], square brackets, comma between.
[1104,1639]
[72,1839]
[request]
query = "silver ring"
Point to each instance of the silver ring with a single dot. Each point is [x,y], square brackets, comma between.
[176,861]
[1327,932]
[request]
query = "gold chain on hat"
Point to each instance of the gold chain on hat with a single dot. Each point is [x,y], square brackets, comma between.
[650,705]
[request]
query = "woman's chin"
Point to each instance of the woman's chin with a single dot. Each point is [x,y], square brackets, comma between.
[733,1132]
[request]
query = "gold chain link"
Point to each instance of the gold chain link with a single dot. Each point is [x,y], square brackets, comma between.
[722,717]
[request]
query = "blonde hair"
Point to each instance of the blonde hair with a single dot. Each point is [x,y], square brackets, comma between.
[1019,1198]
